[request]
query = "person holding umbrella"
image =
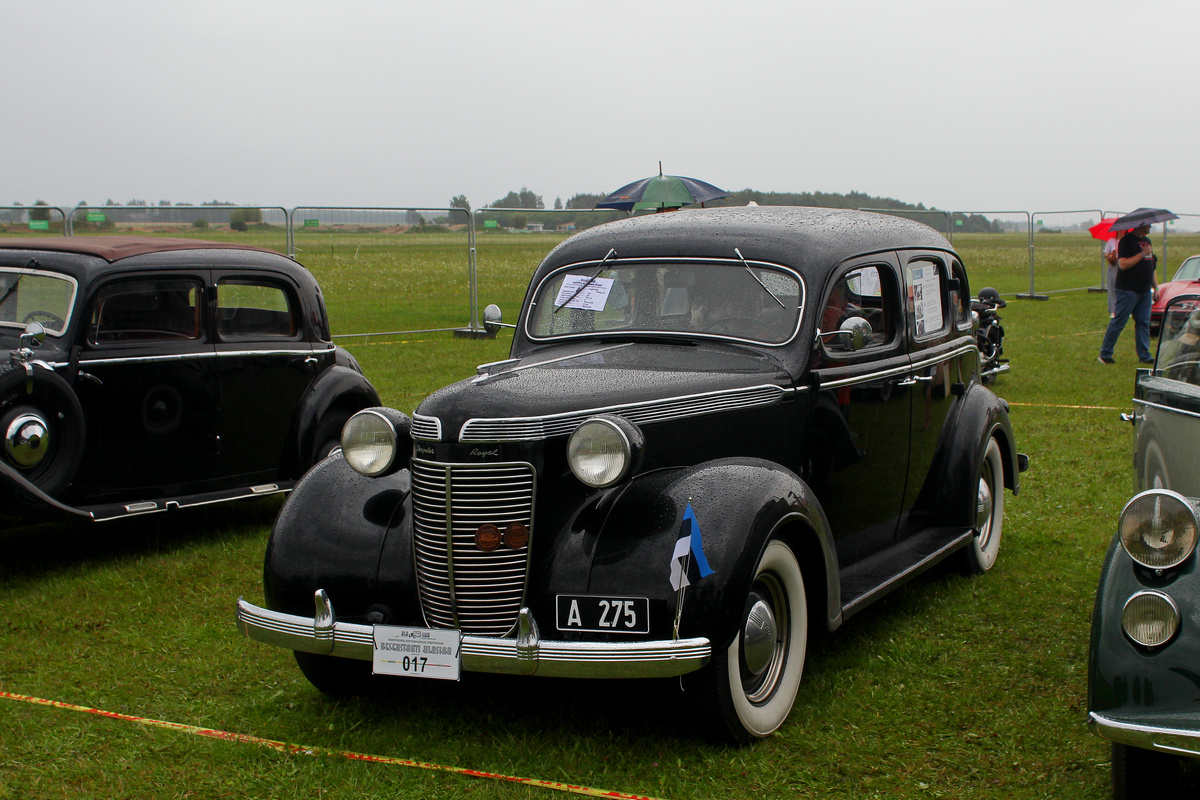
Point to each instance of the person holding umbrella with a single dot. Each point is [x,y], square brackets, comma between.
[1135,286]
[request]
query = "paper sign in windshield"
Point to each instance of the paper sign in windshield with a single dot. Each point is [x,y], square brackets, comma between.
[927,300]
[585,292]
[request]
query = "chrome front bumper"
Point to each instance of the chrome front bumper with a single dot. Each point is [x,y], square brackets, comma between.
[526,654]
[1147,735]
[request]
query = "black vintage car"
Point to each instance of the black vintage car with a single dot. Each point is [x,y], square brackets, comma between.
[152,373]
[717,428]
[1143,678]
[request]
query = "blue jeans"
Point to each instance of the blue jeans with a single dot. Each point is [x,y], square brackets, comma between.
[1137,305]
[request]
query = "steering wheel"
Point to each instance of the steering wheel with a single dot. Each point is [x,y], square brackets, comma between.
[743,326]
[58,321]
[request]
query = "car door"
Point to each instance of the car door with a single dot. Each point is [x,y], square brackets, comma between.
[856,439]
[1167,404]
[264,364]
[939,339]
[144,384]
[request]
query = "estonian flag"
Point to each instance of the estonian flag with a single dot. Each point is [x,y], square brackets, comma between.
[688,543]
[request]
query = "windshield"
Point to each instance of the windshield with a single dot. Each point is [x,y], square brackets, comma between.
[28,295]
[1189,270]
[747,301]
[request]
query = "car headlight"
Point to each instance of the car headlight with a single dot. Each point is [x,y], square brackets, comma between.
[603,450]
[1150,618]
[1158,529]
[375,441]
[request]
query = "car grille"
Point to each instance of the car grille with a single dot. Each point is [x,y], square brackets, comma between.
[460,585]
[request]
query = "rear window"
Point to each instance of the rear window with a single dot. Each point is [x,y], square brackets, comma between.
[250,309]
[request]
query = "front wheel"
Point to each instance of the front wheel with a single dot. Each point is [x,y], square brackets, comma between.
[981,554]
[336,676]
[747,690]
[1143,773]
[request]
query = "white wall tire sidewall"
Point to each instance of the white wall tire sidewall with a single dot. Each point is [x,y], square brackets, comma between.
[985,554]
[763,720]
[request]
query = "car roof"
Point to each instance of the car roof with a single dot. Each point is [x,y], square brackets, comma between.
[88,257]
[807,239]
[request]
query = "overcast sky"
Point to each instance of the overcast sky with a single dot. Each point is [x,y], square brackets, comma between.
[972,106]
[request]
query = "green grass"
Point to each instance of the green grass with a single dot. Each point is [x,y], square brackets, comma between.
[954,688]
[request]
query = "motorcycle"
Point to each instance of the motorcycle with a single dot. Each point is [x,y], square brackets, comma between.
[989,334]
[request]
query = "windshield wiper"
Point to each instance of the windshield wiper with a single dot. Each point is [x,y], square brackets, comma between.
[757,279]
[612,252]
[11,289]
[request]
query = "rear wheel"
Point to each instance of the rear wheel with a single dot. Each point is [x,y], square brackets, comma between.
[981,554]
[748,689]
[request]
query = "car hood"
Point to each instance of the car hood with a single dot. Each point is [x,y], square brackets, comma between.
[1171,289]
[612,377]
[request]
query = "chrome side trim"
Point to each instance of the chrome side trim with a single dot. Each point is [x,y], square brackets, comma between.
[208,353]
[1176,741]
[924,363]
[526,655]
[1170,409]
[426,428]
[525,429]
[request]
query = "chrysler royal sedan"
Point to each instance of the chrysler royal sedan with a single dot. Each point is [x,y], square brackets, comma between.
[1143,679]
[146,374]
[718,431]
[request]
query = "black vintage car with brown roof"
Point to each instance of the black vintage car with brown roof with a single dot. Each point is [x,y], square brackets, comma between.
[146,374]
[717,429]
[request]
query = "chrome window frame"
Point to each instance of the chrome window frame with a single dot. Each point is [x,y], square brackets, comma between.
[46,274]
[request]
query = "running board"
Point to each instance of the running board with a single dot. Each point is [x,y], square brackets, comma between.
[889,569]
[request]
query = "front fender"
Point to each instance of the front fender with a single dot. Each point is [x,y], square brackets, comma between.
[1131,683]
[739,504]
[330,534]
[25,504]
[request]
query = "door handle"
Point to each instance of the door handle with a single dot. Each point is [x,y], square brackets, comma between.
[913,380]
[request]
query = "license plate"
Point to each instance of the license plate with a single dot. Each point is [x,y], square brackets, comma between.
[601,614]
[417,652]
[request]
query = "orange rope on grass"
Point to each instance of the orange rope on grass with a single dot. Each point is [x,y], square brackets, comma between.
[305,750]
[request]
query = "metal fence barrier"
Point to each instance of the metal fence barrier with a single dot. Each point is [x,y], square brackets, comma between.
[307,232]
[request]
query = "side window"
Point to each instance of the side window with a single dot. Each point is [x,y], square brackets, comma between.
[926,279]
[1179,347]
[865,292]
[960,297]
[147,310]
[253,309]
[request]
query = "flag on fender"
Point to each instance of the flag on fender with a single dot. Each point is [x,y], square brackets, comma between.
[688,543]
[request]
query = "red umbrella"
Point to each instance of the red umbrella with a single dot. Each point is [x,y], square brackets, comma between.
[1101,229]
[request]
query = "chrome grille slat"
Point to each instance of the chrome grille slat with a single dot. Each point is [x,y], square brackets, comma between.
[488,588]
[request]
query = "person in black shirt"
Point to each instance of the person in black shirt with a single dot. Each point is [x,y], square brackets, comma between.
[1135,288]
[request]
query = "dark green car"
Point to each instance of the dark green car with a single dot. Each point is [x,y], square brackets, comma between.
[1144,658]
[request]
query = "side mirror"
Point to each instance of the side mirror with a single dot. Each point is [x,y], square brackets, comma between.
[492,317]
[854,333]
[34,335]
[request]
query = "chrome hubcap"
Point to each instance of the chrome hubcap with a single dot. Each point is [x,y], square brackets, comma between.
[983,507]
[26,440]
[758,638]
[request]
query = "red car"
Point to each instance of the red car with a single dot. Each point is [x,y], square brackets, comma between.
[1186,281]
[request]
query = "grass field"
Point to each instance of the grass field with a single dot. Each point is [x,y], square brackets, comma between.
[954,688]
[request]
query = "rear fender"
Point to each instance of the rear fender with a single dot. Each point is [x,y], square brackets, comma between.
[738,504]
[339,390]
[982,416]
